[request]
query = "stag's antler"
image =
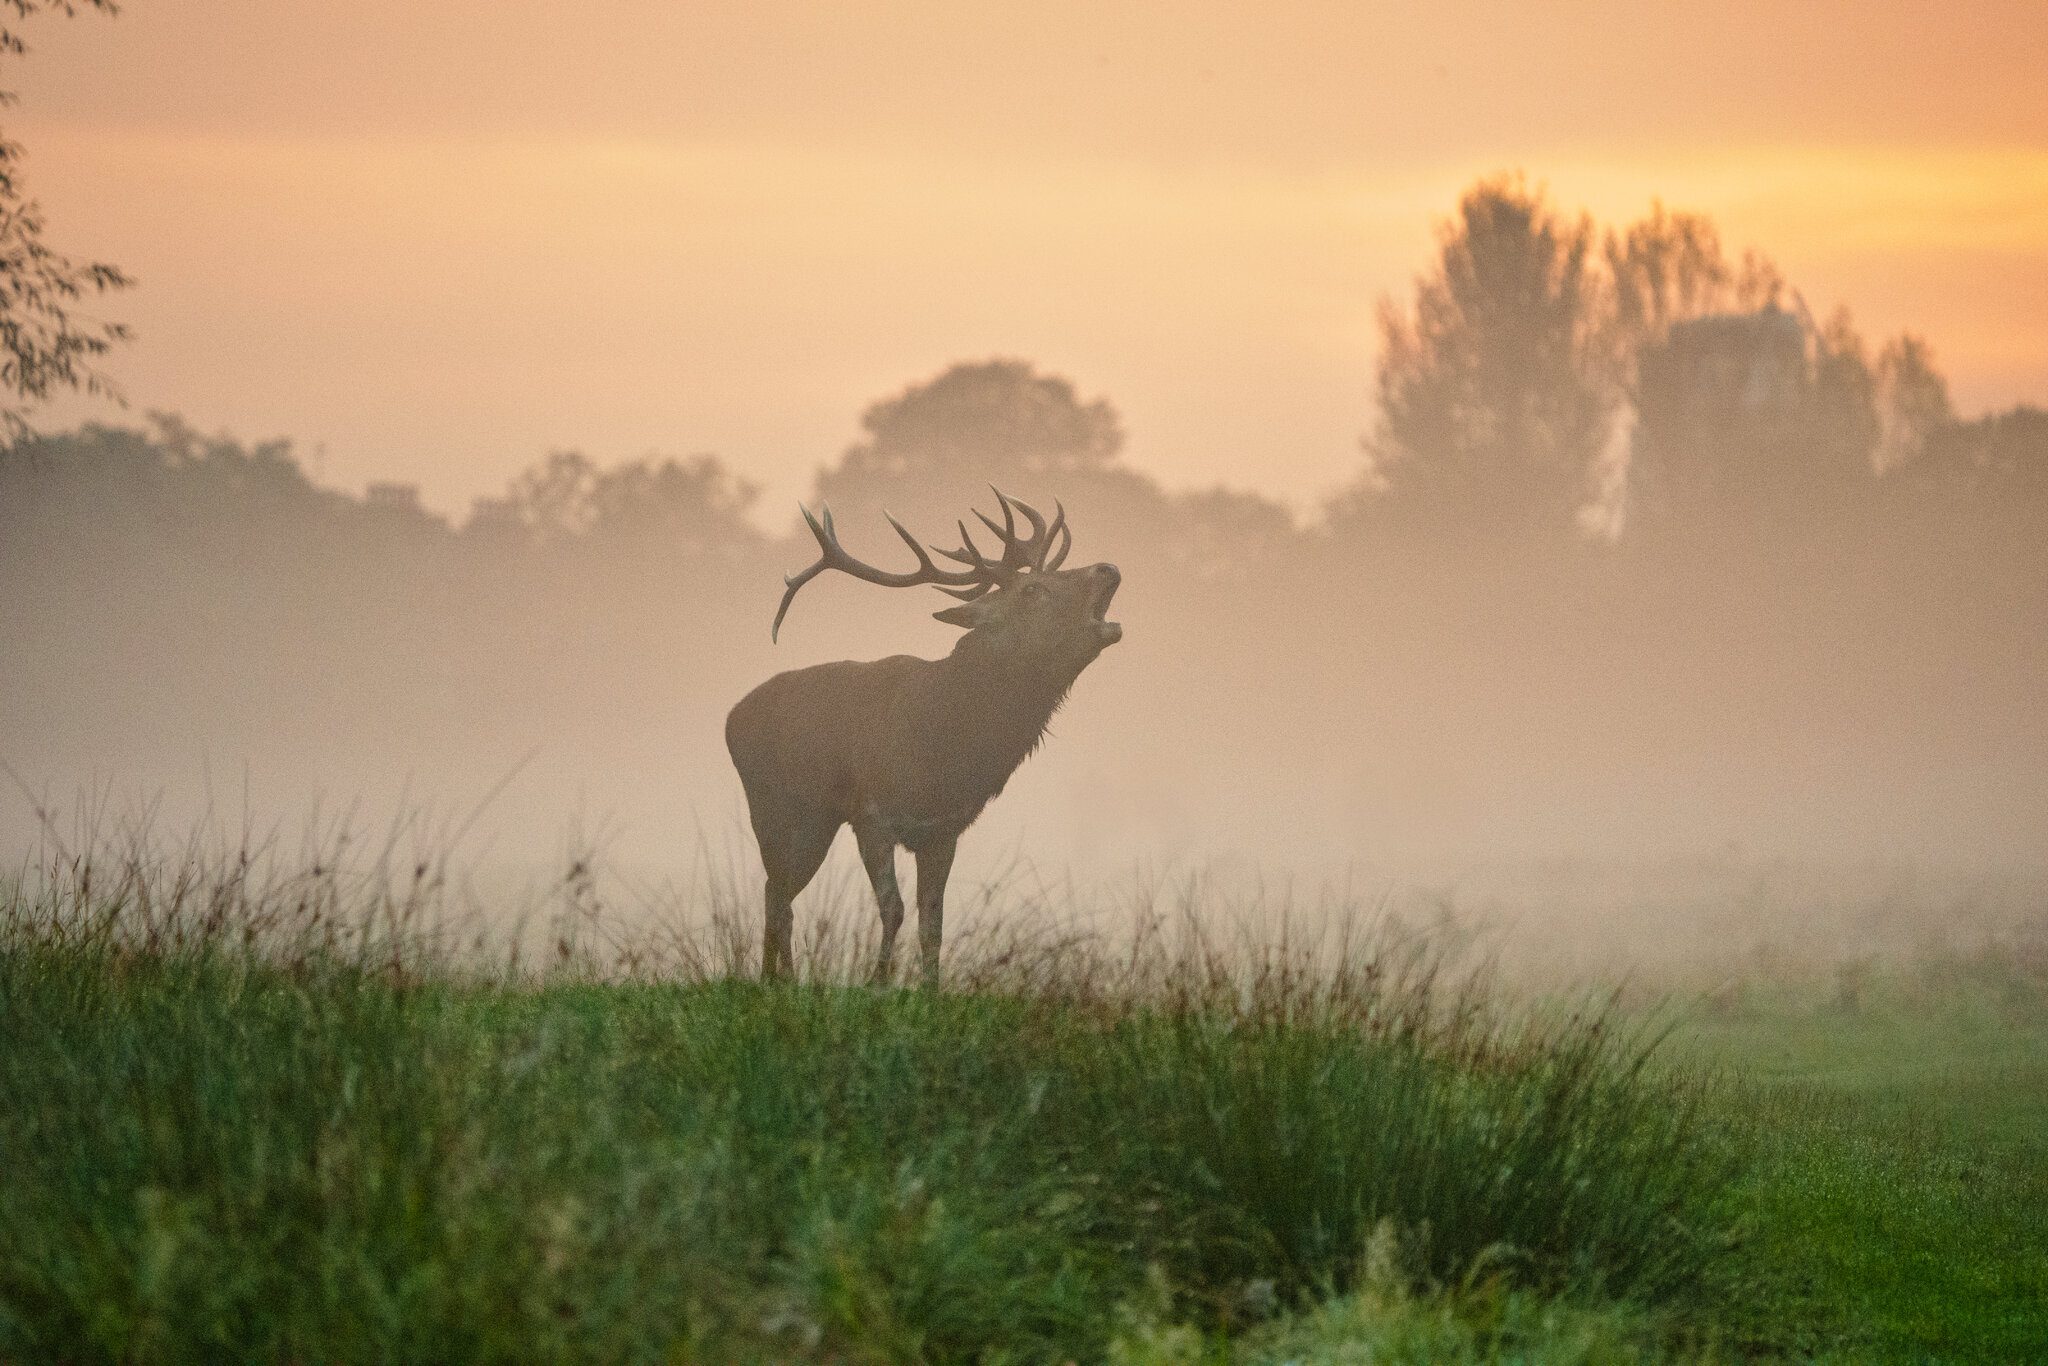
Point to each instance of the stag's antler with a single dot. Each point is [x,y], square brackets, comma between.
[1021,554]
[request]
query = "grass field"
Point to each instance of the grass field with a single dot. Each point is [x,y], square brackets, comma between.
[230,1130]
[1892,1203]
[1898,1189]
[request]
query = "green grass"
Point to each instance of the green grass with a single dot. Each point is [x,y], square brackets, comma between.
[1893,1202]
[1383,1321]
[1898,1185]
[210,1151]
[230,1128]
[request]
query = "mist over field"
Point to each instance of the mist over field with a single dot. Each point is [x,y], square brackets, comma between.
[1644,577]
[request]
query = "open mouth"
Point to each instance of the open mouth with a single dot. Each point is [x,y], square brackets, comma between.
[1107,631]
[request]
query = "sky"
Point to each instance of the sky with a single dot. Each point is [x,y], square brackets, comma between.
[431,243]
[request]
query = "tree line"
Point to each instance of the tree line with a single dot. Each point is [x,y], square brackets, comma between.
[1629,510]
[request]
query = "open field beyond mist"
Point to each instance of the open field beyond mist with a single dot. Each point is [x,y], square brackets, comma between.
[262,1112]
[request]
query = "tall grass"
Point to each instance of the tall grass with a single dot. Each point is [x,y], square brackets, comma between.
[255,1110]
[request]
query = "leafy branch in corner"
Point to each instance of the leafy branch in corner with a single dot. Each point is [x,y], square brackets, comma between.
[46,343]
[11,43]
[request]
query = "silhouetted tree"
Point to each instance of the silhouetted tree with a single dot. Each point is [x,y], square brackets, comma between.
[1735,394]
[674,507]
[168,480]
[1669,268]
[1752,417]
[548,502]
[996,421]
[46,344]
[1710,392]
[1496,391]
[1501,386]
[1913,401]
[1842,422]
[2000,460]
[693,506]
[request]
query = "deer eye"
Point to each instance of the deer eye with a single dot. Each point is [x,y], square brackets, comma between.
[1033,591]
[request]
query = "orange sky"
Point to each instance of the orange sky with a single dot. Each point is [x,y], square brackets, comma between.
[438,240]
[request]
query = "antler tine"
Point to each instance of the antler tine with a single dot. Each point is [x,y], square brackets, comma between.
[924,561]
[963,594]
[1049,560]
[1009,537]
[974,556]
[1031,514]
[1016,551]
[1029,552]
[969,554]
[791,583]
[828,543]
[996,571]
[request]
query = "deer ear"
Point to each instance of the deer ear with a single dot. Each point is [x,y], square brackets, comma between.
[967,615]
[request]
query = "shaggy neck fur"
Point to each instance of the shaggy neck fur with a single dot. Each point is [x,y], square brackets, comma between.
[994,708]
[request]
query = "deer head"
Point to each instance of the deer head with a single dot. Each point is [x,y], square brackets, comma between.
[1019,603]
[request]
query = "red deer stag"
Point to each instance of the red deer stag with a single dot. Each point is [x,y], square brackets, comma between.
[907,750]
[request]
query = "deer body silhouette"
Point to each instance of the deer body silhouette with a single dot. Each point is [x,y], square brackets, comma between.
[906,750]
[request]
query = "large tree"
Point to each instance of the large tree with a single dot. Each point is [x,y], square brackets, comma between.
[47,343]
[931,452]
[1496,392]
[1745,406]
[994,421]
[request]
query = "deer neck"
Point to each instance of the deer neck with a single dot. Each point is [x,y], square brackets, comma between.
[993,708]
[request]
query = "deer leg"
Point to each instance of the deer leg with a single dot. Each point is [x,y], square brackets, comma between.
[777,925]
[878,856]
[934,863]
[791,852]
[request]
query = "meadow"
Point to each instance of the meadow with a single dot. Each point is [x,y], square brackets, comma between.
[256,1110]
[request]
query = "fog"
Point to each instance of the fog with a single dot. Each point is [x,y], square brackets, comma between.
[1642,568]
